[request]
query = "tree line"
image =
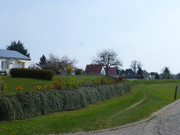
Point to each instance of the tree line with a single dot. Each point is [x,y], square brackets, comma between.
[106,57]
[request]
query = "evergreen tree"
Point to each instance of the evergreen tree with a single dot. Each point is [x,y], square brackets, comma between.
[140,72]
[166,73]
[157,76]
[43,62]
[18,46]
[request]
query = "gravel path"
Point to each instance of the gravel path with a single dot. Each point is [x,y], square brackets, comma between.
[163,122]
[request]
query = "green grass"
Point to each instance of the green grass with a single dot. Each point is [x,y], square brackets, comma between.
[104,114]
[30,84]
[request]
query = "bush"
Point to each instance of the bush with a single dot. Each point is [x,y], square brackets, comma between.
[78,71]
[67,84]
[32,73]
[30,104]
[3,85]
[69,70]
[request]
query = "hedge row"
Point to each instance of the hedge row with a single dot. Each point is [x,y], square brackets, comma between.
[29,104]
[32,73]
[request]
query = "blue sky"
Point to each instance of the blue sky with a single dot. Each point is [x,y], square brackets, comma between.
[143,30]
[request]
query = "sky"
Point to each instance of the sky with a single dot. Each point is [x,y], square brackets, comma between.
[144,30]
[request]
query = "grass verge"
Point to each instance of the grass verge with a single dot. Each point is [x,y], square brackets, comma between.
[30,84]
[104,114]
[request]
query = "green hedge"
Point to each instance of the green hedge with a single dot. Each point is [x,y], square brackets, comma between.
[32,73]
[29,104]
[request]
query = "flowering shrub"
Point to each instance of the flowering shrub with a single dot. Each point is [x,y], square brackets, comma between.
[19,88]
[69,70]
[67,84]
[49,86]
[37,88]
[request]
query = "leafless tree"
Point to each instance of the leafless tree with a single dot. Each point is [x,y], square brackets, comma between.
[135,65]
[65,61]
[55,63]
[107,58]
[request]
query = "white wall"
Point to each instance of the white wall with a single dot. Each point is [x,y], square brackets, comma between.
[12,64]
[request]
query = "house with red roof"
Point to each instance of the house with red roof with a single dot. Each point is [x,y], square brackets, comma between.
[95,69]
[112,71]
[100,70]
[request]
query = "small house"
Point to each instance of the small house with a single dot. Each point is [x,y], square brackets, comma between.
[95,69]
[153,75]
[12,59]
[146,75]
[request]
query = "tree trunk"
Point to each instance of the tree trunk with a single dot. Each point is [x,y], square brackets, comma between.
[107,70]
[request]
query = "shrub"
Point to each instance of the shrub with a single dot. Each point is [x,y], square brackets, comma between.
[3,85]
[67,84]
[31,103]
[69,70]
[32,73]
[78,71]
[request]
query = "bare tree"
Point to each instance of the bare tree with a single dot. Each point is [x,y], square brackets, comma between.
[65,61]
[135,65]
[55,63]
[107,58]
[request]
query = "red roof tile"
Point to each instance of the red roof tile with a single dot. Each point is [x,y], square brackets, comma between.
[112,70]
[93,69]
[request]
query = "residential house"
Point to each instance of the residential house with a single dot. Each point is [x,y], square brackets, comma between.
[113,71]
[146,75]
[12,59]
[129,74]
[95,69]
[153,75]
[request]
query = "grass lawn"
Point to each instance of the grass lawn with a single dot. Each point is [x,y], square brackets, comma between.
[104,114]
[30,84]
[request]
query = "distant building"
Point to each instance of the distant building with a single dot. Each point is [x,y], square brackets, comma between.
[153,75]
[146,75]
[12,59]
[95,69]
[113,71]
[130,75]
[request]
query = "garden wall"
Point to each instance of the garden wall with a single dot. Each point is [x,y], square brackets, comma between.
[31,103]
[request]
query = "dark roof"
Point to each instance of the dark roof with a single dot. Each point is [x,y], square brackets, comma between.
[153,73]
[112,70]
[132,76]
[9,54]
[93,69]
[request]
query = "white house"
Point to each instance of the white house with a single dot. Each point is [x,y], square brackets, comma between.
[12,59]
[146,75]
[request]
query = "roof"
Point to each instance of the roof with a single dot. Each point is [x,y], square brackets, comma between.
[153,73]
[9,54]
[132,76]
[93,69]
[112,70]
[146,73]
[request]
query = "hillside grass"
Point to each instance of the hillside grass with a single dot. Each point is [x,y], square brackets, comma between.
[30,84]
[105,114]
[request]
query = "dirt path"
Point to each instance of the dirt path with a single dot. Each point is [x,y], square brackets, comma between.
[163,122]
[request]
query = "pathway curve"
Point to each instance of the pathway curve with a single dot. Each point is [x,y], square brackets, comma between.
[163,122]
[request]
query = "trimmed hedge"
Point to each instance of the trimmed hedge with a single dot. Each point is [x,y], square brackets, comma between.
[32,73]
[30,104]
